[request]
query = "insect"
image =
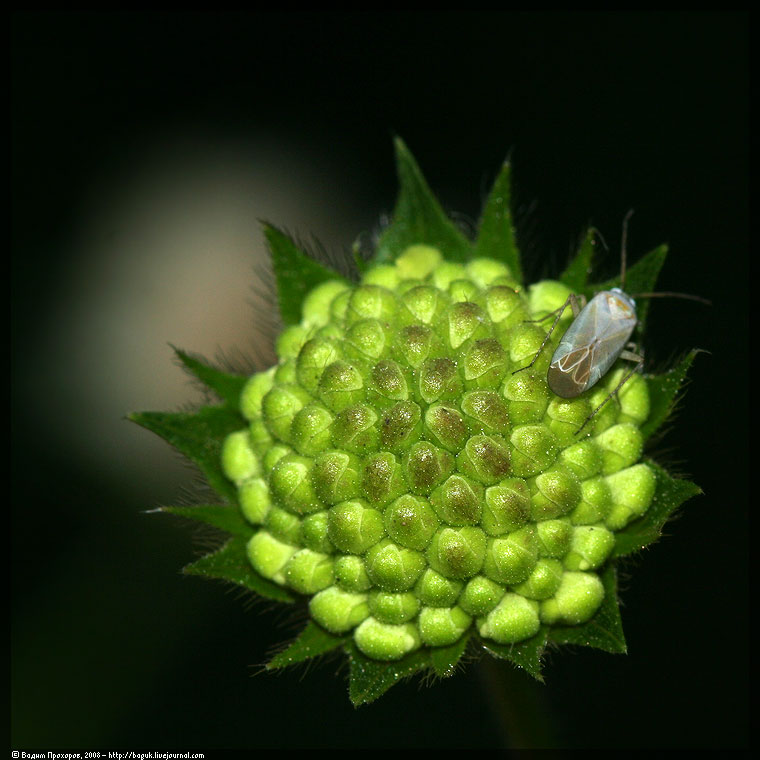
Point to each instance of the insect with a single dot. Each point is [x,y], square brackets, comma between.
[597,338]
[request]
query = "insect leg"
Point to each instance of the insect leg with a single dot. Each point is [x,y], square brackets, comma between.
[638,360]
[572,301]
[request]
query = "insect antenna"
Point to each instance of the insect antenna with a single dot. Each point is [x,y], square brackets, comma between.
[670,294]
[623,248]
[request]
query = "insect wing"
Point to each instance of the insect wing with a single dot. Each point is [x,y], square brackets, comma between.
[592,343]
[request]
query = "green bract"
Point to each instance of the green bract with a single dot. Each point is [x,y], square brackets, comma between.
[394,473]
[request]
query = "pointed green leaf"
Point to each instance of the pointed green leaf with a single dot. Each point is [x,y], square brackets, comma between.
[664,392]
[525,654]
[370,679]
[640,278]
[223,516]
[199,437]
[444,659]
[604,630]
[230,563]
[225,385]
[312,642]
[669,494]
[576,274]
[418,218]
[496,234]
[295,272]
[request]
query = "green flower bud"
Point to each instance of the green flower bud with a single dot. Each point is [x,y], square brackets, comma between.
[411,522]
[383,641]
[510,559]
[336,476]
[254,499]
[480,596]
[355,429]
[565,417]
[554,537]
[310,430]
[434,590]
[486,412]
[621,446]
[523,342]
[371,302]
[315,355]
[463,291]
[253,392]
[548,296]
[308,571]
[446,426]
[527,397]
[534,449]
[274,455]
[485,459]
[425,466]
[280,406]
[446,273]
[314,532]
[268,556]
[261,440]
[590,547]
[383,479]
[595,504]
[338,611]
[584,459]
[283,525]
[441,626]
[514,619]
[239,460]
[290,483]
[632,491]
[576,600]
[485,364]
[341,385]
[392,567]
[608,415]
[506,508]
[457,552]
[543,581]
[351,575]
[393,608]
[400,426]
[367,339]
[633,397]
[505,307]
[354,527]
[484,271]
[458,501]
[553,494]
[317,304]
[423,304]
[467,321]
[291,341]
[439,380]
[387,385]
[384,275]
[285,373]
[416,344]
[418,261]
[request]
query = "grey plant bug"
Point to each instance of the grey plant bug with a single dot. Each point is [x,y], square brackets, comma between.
[598,336]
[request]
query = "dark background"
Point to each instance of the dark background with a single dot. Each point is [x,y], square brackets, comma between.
[133,129]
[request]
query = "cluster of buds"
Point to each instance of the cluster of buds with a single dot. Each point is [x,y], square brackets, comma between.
[405,468]
[402,473]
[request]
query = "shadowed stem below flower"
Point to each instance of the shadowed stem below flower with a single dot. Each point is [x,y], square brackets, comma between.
[521,711]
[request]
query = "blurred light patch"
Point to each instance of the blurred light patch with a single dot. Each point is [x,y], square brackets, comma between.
[169,251]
